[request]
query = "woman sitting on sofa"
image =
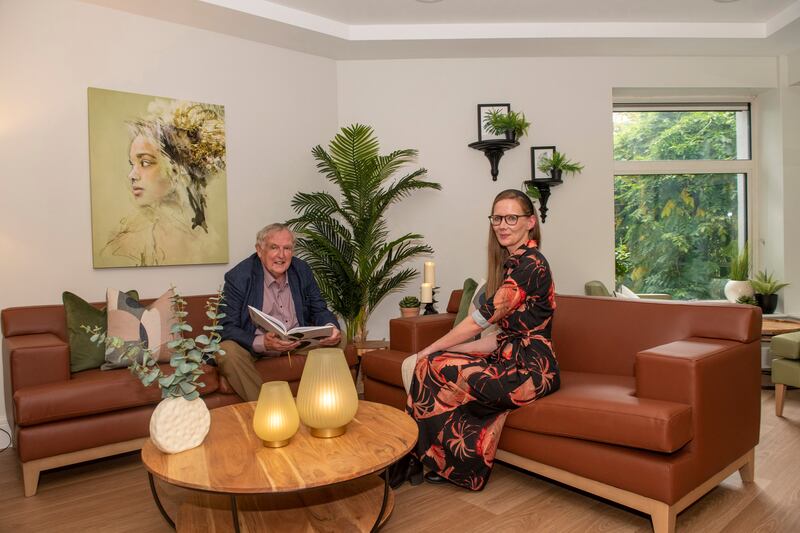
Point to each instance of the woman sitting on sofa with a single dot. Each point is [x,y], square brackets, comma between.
[460,394]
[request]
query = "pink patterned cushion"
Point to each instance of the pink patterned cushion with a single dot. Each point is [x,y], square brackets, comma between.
[135,323]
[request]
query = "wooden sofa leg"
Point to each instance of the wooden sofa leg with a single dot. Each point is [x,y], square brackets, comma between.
[30,477]
[663,518]
[748,470]
[780,396]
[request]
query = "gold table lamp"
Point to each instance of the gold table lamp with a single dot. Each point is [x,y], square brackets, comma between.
[275,420]
[327,399]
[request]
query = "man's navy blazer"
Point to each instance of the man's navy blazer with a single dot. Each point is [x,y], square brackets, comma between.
[244,286]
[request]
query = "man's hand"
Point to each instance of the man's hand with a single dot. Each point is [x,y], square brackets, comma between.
[273,343]
[333,340]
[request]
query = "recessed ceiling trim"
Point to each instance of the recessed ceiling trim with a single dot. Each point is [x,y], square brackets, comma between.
[570,30]
[401,32]
[286,15]
[783,19]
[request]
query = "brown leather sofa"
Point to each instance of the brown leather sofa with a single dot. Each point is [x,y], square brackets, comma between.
[58,418]
[659,401]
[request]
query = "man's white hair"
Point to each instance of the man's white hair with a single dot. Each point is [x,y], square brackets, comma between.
[261,236]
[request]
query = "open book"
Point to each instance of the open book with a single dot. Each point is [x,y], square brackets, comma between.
[308,335]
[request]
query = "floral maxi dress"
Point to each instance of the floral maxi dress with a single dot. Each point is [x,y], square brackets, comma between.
[460,400]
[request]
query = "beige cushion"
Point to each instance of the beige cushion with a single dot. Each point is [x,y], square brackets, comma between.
[135,323]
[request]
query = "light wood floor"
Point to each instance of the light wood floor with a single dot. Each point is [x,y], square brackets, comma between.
[113,495]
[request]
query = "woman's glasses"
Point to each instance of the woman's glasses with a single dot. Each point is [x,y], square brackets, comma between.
[511,220]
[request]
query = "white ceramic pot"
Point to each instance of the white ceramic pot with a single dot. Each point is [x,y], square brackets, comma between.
[178,425]
[736,289]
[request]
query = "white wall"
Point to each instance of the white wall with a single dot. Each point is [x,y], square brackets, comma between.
[278,104]
[790,111]
[431,105]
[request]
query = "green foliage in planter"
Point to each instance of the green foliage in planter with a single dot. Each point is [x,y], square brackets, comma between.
[765,284]
[346,240]
[187,353]
[740,265]
[559,161]
[409,302]
[498,122]
[747,300]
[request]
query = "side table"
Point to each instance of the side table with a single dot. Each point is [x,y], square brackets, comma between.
[363,347]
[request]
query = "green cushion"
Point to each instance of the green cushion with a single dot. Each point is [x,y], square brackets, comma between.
[786,371]
[83,353]
[466,297]
[595,288]
[786,345]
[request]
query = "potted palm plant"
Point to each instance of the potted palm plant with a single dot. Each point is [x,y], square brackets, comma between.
[346,240]
[738,284]
[766,288]
[409,306]
[511,124]
[558,164]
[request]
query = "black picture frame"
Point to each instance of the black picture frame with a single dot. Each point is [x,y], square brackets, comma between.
[484,135]
[537,152]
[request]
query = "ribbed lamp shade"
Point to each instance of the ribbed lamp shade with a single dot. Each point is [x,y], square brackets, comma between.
[275,420]
[327,399]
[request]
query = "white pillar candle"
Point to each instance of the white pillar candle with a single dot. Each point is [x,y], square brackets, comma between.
[426,293]
[429,275]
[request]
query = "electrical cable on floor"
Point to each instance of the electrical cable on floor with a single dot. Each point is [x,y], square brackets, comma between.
[7,446]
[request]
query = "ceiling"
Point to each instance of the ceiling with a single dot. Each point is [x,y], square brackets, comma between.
[376,29]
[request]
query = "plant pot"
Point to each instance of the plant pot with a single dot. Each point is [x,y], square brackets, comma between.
[767,302]
[178,425]
[555,174]
[735,289]
[511,135]
[408,312]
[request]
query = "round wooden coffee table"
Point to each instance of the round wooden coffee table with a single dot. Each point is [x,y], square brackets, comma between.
[317,484]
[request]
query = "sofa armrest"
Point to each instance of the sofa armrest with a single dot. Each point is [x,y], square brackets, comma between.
[30,360]
[410,335]
[720,379]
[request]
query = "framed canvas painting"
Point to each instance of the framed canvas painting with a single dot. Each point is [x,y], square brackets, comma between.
[158,181]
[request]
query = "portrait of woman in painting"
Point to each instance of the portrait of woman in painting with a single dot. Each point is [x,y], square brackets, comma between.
[173,153]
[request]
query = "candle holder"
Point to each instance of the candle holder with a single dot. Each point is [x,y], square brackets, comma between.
[430,307]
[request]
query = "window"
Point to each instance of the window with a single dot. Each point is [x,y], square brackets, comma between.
[680,195]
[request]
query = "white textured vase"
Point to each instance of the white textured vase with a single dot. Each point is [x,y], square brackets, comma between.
[736,289]
[178,425]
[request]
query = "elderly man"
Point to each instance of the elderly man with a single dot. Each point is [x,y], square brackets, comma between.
[281,286]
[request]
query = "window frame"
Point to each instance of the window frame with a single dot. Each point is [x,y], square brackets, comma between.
[747,167]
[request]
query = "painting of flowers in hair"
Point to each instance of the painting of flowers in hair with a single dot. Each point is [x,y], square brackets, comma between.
[158,181]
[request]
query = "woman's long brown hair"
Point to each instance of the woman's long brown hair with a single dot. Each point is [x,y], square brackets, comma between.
[497,253]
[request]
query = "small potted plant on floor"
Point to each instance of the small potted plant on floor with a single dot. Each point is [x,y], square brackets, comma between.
[559,164]
[409,306]
[512,124]
[766,288]
[738,285]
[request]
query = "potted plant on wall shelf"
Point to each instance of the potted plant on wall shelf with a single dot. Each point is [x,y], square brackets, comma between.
[346,240]
[181,420]
[558,164]
[766,291]
[511,124]
[409,306]
[738,284]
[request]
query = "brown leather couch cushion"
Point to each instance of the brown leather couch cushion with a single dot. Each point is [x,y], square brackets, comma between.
[603,408]
[73,434]
[91,392]
[384,365]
